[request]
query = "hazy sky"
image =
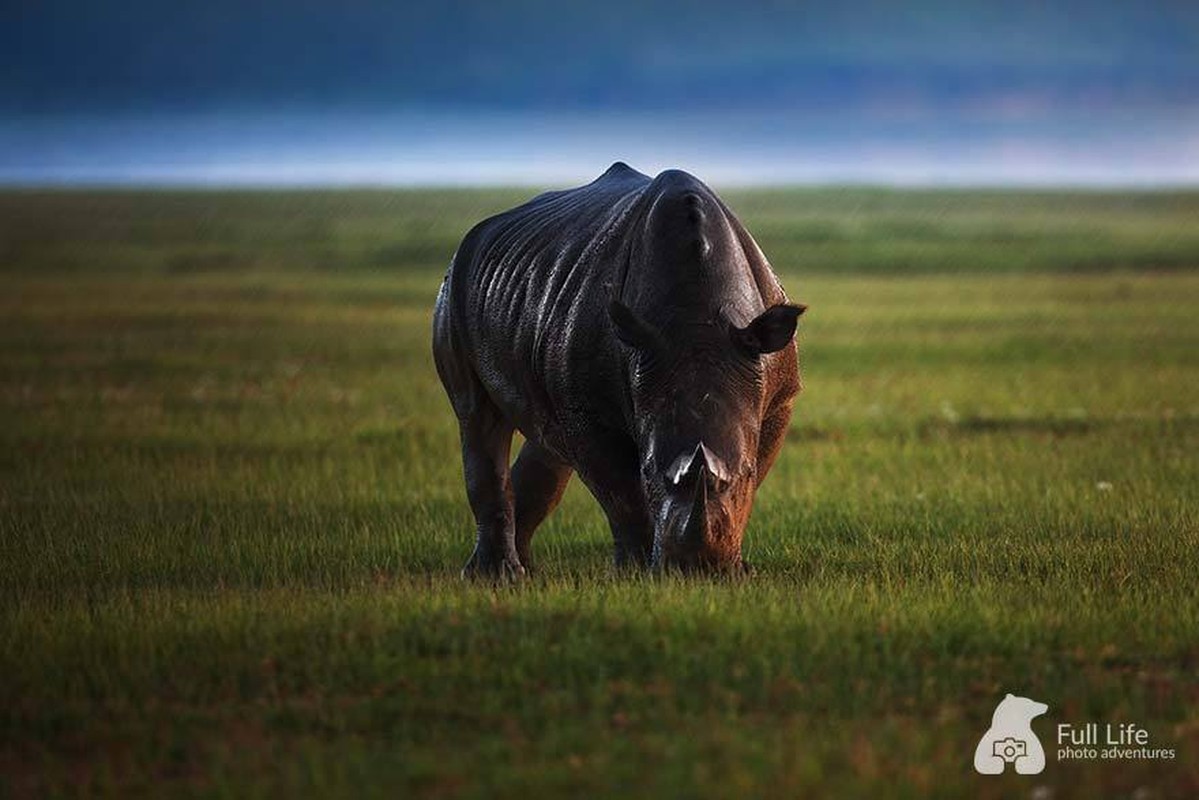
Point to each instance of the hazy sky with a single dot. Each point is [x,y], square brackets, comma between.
[534,92]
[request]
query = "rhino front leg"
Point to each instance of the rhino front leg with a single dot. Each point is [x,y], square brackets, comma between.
[486,443]
[632,536]
[538,480]
[613,481]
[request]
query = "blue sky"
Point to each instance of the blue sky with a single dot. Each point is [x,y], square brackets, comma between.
[543,92]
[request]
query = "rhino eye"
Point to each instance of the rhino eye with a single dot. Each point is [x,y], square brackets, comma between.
[717,484]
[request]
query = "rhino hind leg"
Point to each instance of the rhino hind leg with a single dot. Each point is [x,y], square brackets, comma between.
[539,479]
[485,448]
[486,443]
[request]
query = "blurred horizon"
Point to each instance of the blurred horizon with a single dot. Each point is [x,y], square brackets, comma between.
[527,93]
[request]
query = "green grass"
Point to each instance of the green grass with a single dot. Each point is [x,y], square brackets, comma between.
[232,515]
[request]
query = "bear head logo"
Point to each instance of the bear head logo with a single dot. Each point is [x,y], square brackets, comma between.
[1010,739]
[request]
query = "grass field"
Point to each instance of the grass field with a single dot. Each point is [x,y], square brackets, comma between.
[233,515]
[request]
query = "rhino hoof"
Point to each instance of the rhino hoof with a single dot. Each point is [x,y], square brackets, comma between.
[500,570]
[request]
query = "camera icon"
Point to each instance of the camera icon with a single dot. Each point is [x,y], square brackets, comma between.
[1009,749]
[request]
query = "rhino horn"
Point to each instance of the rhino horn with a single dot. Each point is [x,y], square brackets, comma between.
[695,532]
[687,466]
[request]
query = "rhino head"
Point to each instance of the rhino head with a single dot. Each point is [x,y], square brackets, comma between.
[698,398]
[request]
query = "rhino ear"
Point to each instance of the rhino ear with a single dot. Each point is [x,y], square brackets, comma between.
[771,331]
[630,328]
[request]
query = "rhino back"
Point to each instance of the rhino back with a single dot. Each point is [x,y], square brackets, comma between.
[527,295]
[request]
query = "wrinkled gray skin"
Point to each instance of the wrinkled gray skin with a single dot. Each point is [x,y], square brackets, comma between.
[634,333]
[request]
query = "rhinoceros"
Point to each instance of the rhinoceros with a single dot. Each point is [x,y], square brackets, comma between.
[633,332]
